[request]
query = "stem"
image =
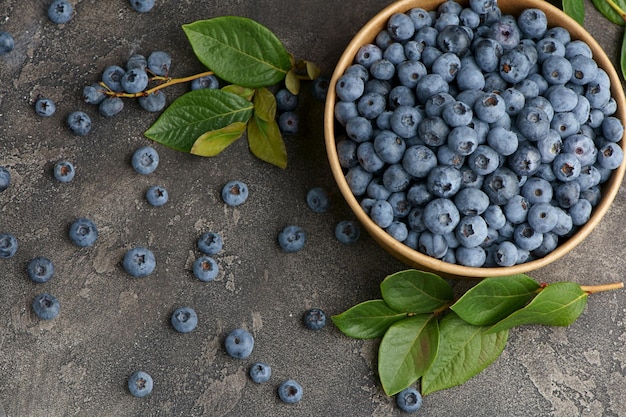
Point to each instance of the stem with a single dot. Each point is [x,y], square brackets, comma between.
[168,82]
[618,9]
[604,287]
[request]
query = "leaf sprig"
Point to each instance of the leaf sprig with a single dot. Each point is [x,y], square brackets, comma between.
[428,334]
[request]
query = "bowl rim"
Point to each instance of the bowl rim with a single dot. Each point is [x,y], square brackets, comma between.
[414,258]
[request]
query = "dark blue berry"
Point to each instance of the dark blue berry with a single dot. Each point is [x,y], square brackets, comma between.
[347,231]
[45,107]
[40,269]
[260,372]
[5,178]
[239,343]
[184,319]
[145,160]
[286,100]
[314,319]
[111,106]
[79,123]
[112,77]
[292,239]
[139,262]
[290,391]
[235,193]
[83,232]
[134,80]
[46,306]
[159,63]
[60,11]
[142,6]
[318,199]
[7,43]
[157,196]
[210,243]
[140,384]
[64,171]
[8,245]
[153,102]
[205,268]
[289,122]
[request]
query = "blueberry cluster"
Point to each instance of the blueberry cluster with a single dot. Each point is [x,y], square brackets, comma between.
[474,137]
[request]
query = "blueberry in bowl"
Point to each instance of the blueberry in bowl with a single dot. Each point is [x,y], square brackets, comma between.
[494,99]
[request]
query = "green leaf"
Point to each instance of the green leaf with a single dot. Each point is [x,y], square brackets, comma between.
[195,113]
[622,58]
[558,304]
[213,142]
[266,142]
[239,50]
[367,320]
[406,351]
[243,92]
[575,9]
[292,83]
[265,105]
[414,291]
[464,351]
[493,299]
[605,8]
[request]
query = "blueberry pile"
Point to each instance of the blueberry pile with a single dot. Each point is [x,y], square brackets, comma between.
[475,137]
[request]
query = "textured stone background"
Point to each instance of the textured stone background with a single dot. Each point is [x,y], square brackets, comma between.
[112,325]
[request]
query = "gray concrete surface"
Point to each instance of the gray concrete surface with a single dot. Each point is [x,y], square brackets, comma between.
[111,325]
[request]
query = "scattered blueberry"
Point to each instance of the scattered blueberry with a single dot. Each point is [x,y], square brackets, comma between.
[110,106]
[140,384]
[210,243]
[94,94]
[409,400]
[112,77]
[139,262]
[184,319]
[347,231]
[260,372]
[142,6]
[83,232]
[205,268]
[60,11]
[292,238]
[239,343]
[235,193]
[5,178]
[8,245]
[153,102]
[286,100]
[319,86]
[46,306]
[40,269]
[145,160]
[79,123]
[157,196]
[318,199]
[314,319]
[7,43]
[159,63]
[64,171]
[289,122]
[289,391]
[45,107]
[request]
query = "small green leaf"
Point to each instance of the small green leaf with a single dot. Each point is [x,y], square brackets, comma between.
[575,9]
[558,304]
[239,50]
[266,142]
[406,351]
[264,105]
[196,113]
[367,320]
[605,8]
[464,351]
[414,291]
[292,83]
[312,70]
[243,92]
[213,142]
[622,58]
[493,299]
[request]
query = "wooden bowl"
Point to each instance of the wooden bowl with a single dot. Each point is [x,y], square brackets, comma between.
[416,259]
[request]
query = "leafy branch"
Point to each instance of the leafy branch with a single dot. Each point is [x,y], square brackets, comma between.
[425,333]
[613,10]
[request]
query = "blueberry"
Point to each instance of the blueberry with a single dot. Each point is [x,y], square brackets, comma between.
[504,141]
[360,71]
[433,131]
[542,217]
[235,193]
[8,245]
[260,372]
[533,23]
[526,160]
[567,194]
[469,78]
[469,18]
[145,160]
[420,17]
[5,178]
[471,201]
[347,231]
[389,146]
[64,171]
[137,61]
[583,147]
[290,391]
[501,185]
[474,256]
[584,69]
[110,106]
[134,81]
[382,213]
[318,199]
[184,319]
[46,306]
[562,98]
[208,81]
[490,107]
[400,27]
[368,157]
[398,230]
[371,104]
[83,232]
[612,129]
[376,189]
[532,122]
[382,70]
[94,94]
[159,63]
[395,178]
[610,156]
[505,33]
[547,47]
[516,209]
[409,400]
[314,319]
[447,156]
[410,72]
[597,94]
[419,195]
[40,269]
[139,262]
[428,85]
[537,190]
[419,160]
[112,77]
[441,216]
[319,87]
[565,123]
[513,66]
[140,384]
[358,179]
[394,53]
[152,102]
[349,87]
[527,238]
[286,100]
[506,254]
[484,160]
[346,153]
[487,54]
[239,343]
[447,65]
[142,6]
[483,7]
[368,54]
[44,107]
[471,231]
[205,268]
[7,43]
[292,239]
[289,123]
[210,243]
[452,38]
[60,11]
[457,114]
[79,123]
[566,166]
[432,244]
[157,196]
